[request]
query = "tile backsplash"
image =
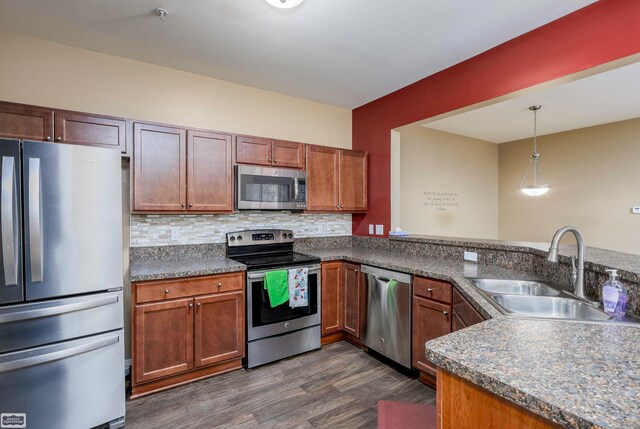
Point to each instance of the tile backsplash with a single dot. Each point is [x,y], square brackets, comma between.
[164,230]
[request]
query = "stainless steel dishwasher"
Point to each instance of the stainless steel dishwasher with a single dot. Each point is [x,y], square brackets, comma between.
[387,329]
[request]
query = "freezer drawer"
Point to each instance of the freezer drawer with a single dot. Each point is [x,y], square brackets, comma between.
[35,324]
[388,324]
[76,384]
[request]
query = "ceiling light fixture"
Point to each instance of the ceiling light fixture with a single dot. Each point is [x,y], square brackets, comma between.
[284,4]
[538,187]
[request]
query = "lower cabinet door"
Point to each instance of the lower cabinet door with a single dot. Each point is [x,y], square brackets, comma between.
[163,339]
[352,298]
[331,293]
[219,328]
[430,320]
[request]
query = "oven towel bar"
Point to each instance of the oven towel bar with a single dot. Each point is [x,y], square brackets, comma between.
[276,283]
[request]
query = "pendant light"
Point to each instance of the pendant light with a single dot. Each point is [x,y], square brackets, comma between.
[537,186]
[284,4]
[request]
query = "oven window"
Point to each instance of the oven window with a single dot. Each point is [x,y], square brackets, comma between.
[266,189]
[263,314]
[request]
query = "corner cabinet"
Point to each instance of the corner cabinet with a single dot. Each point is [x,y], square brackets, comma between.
[186,329]
[177,170]
[337,180]
[352,299]
[342,301]
[331,298]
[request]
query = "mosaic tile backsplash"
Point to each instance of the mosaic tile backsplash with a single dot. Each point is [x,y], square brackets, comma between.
[164,230]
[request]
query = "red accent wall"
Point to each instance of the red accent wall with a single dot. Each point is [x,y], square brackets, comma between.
[597,34]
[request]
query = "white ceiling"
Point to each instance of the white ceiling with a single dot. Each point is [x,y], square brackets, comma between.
[600,99]
[340,52]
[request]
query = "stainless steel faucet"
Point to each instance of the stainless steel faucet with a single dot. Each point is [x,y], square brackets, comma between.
[577,272]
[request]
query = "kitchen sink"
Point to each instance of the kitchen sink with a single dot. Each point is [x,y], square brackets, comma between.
[514,287]
[550,307]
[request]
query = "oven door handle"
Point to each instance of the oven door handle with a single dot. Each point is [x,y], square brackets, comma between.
[313,269]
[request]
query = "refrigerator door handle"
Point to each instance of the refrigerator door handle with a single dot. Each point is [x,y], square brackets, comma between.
[8,218]
[57,310]
[35,219]
[57,355]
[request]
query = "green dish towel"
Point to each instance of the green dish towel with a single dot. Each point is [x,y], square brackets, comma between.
[277,285]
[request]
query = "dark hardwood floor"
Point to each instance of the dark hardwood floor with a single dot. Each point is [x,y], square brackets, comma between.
[336,387]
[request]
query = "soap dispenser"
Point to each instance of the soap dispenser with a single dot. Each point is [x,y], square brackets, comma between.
[614,295]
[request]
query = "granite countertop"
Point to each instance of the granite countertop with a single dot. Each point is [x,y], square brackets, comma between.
[179,268]
[579,375]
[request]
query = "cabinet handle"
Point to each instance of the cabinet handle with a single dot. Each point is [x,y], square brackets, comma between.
[59,139]
[275,161]
[198,305]
[269,159]
[190,205]
[430,289]
[191,305]
[183,205]
[48,138]
[338,207]
[445,313]
[166,291]
[219,284]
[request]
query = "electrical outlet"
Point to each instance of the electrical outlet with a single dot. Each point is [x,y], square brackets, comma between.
[175,233]
[635,210]
[379,229]
[471,256]
[370,229]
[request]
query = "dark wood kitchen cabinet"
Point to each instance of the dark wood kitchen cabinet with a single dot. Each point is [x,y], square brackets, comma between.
[159,168]
[331,297]
[91,130]
[20,121]
[337,180]
[177,170]
[462,313]
[268,152]
[209,172]
[186,329]
[353,181]
[352,298]
[163,339]
[219,328]
[26,122]
[431,319]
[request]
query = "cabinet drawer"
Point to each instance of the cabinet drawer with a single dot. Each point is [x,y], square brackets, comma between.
[170,289]
[432,289]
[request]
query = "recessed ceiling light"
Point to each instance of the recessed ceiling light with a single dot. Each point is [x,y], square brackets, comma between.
[284,4]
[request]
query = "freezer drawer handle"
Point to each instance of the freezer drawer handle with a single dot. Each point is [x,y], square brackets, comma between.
[57,310]
[35,222]
[57,355]
[8,219]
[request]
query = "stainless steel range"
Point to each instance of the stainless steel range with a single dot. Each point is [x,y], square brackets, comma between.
[274,333]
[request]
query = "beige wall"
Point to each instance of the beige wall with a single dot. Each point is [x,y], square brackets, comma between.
[40,72]
[435,161]
[594,175]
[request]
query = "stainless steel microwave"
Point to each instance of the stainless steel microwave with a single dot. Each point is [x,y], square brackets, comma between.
[265,188]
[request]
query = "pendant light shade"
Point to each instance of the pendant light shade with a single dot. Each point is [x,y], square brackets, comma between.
[532,183]
[284,4]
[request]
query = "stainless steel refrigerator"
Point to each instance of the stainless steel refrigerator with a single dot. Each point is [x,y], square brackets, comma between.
[61,311]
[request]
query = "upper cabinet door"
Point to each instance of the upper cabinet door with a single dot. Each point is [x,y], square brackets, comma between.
[93,130]
[26,122]
[353,181]
[288,154]
[159,168]
[322,178]
[209,172]
[253,150]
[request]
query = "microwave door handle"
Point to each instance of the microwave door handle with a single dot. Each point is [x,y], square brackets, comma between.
[295,189]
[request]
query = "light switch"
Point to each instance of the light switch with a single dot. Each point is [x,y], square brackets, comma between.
[370,229]
[379,229]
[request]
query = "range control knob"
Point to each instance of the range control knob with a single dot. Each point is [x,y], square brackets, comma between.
[290,235]
[232,238]
[284,235]
[239,238]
